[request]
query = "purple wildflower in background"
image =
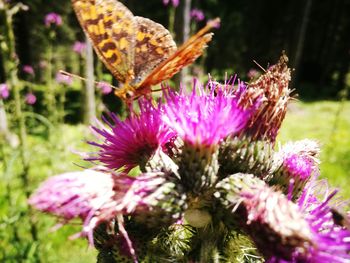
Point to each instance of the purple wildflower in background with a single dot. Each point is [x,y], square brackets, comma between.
[79,47]
[204,117]
[197,15]
[4,91]
[28,69]
[174,3]
[43,64]
[63,79]
[133,141]
[104,87]
[252,73]
[53,19]
[30,98]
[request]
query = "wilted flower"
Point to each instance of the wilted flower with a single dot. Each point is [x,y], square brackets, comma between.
[197,14]
[174,3]
[104,87]
[53,19]
[4,91]
[28,69]
[30,98]
[271,90]
[204,117]
[133,141]
[64,79]
[79,47]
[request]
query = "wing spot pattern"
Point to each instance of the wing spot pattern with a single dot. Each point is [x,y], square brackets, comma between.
[123,43]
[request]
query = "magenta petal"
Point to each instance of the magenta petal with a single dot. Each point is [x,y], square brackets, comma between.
[204,117]
[130,142]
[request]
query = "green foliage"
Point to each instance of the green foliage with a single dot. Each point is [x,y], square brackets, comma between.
[46,158]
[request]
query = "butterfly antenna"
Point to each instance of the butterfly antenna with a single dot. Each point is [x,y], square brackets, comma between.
[262,68]
[83,79]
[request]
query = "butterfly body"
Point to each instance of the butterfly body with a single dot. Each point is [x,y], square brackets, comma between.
[138,52]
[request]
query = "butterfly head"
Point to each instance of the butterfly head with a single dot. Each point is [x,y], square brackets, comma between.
[126,93]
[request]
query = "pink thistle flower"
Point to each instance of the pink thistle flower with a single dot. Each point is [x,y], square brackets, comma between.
[298,163]
[204,118]
[331,241]
[30,98]
[4,91]
[79,47]
[53,19]
[28,69]
[133,141]
[274,223]
[174,3]
[104,87]
[88,195]
[272,217]
[197,15]
[63,79]
[299,166]
[75,194]
[96,197]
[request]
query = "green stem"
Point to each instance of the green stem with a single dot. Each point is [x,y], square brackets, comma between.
[343,97]
[50,95]
[8,194]
[62,100]
[14,83]
[172,20]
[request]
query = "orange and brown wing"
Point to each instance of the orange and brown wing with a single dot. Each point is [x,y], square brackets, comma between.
[186,54]
[111,28]
[153,45]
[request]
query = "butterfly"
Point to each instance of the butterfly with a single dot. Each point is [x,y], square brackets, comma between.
[138,52]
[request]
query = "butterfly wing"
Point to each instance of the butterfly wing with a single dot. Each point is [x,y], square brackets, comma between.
[111,28]
[186,54]
[153,44]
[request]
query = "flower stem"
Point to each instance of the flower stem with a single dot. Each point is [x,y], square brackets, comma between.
[11,70]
